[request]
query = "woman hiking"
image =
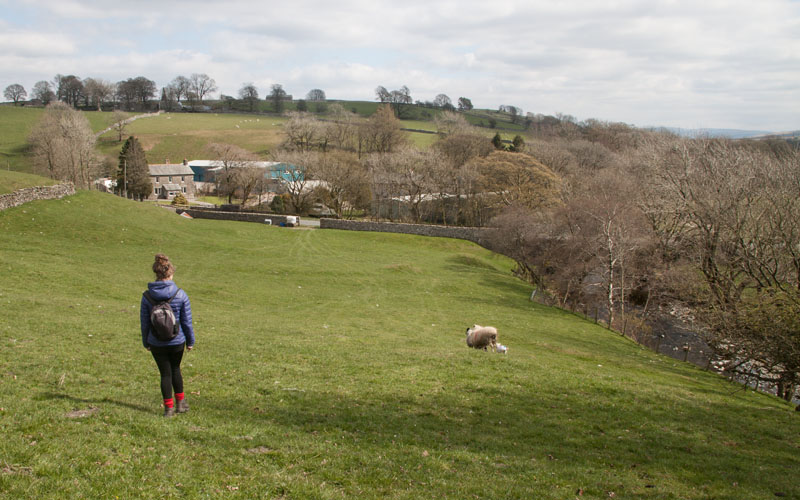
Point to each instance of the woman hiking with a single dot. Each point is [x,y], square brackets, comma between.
[167,347]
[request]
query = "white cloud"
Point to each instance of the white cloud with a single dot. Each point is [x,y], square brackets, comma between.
[731,63]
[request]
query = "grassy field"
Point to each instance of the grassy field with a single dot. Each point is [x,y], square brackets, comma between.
[332,364]
[11,180]
[175,136]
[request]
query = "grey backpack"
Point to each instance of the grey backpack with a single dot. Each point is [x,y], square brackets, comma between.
[165,326]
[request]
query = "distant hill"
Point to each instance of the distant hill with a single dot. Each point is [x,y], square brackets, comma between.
[729,133]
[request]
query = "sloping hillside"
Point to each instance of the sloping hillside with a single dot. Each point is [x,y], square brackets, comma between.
[332,364]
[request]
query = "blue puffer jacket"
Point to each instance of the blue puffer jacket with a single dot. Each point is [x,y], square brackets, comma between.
[161,291]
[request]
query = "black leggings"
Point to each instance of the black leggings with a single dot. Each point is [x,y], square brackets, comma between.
[168,359]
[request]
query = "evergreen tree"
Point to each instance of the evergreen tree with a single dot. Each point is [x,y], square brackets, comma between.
[133,174]
[518,144]
[497,142]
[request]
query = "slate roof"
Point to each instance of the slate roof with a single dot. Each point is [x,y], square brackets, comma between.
[170,169]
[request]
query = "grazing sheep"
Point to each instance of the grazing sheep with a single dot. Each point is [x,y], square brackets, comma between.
[482,337]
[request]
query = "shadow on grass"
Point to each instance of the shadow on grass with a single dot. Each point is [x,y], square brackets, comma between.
[96,401]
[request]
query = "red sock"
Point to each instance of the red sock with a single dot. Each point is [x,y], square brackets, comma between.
[179,395]
[168,403]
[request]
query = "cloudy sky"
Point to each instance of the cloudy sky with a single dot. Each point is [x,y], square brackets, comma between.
[690,64]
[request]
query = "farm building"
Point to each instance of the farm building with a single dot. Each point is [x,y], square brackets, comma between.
[169,179]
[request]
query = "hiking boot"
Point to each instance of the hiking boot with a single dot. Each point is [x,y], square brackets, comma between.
[169,412]
[182,406]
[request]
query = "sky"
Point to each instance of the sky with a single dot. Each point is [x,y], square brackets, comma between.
[690,64]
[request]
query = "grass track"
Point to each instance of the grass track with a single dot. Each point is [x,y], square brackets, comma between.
[332,365]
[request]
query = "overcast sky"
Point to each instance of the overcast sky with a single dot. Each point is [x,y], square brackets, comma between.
[690,64]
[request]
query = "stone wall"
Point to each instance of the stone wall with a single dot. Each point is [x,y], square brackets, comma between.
[25,195]
[473,234]
[235,216]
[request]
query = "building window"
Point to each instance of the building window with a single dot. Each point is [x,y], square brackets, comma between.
[182,178]
[156,179]
[170,178]
[184,189]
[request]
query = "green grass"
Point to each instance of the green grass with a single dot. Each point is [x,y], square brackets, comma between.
[16,124]
[11,180]
[332,364]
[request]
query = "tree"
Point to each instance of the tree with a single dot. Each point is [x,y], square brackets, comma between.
[202,85]
[382,95]
[497,142]
[517,179]
[180,86]
[64,145]
[98,91]
[15,92]
[231,158]
[119,122]
[518,144]
[449,122]
[302,106]
[43,91]
[381,132]
[464,104]
[303,132]
[249,94]
[315,95]
[346,185]
[277,96]
[69,89]
[300,170]
[442,101]
[133,173]
[733,212]
[136,92]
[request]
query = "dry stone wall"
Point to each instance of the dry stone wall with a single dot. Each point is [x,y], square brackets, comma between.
[474,234]
[236,216]
[35,193]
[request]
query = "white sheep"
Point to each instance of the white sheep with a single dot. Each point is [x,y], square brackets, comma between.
[482,337]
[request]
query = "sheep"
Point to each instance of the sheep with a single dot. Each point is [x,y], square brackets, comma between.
[482,337]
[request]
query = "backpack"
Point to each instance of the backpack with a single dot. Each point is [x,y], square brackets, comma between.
[164,325]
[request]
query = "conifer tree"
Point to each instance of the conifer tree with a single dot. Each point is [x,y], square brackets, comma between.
[133,174]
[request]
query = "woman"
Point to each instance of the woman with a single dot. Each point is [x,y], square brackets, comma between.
[168,354]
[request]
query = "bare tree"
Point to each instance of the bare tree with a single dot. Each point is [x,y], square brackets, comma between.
[249,94]
[346,185]
[300,168]
[315,95]
[15,92]
[449,122]
[382,95]
[180,86]
[43,91]
[443,101]
[202,85]
[733,211]
[277,95]
[64,145]
[98,91]
[69,89]
[119,121]
[230,158]
[303,132]
[381,133]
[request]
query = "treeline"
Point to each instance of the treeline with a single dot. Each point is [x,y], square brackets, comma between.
[133,94]
[649,222]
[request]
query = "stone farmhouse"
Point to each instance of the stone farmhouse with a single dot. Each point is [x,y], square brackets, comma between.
[169,179]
